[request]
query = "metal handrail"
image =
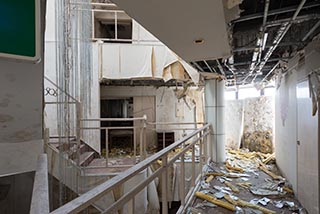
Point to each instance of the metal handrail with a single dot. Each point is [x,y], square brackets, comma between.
[93,195]
[142,142]
[40,193]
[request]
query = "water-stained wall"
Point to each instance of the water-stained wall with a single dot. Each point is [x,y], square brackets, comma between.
[250,123]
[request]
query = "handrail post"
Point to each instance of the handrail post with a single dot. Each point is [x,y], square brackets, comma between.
[107,146]
[134,143]
[205,147]
[193,171]
[78,130]
[182,181]
[46,136]
[210,144]
[145,136]
[165,185]
[131,206]
[116,25]
[141,144]
[163,140]
[201,149]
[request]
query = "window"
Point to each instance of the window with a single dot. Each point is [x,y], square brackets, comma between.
[229,95]
[112,28]
[269,92]
[248,92]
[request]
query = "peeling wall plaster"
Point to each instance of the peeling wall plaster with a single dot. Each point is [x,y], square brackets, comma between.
[250,122]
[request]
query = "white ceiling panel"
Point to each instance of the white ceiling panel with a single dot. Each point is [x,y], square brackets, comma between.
[178,23]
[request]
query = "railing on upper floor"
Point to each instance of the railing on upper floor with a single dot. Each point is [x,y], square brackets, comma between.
[142,134]
[197,138]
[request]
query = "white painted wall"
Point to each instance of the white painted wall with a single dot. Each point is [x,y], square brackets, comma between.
[286,112]
[91,137]
[141,36]
[285,131]
[21,94]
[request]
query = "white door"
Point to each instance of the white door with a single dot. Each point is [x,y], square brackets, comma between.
[307,150]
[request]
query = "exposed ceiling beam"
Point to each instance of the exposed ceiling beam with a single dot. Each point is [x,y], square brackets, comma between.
[250,48]
[266,76]
[198,66]
[210,68]
[276,12]
[280,35]
[270,60]
[299,19]
[311,31]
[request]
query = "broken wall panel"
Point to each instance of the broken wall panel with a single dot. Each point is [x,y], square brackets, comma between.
[234,123]
[133,61]
[250,124]
[258,124]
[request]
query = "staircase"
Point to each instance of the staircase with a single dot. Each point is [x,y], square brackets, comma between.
[75,177]
[87,154]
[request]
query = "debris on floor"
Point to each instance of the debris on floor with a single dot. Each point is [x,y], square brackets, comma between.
[248,182]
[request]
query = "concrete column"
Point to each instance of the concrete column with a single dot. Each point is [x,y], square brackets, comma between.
[214,106]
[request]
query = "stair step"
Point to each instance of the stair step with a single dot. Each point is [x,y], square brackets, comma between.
[86,158]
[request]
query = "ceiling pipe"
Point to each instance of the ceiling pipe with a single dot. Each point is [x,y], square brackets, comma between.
[270,60]
[250,48]
[231,70]
[311,31]
[256,57]
[198,66]
[220,68]
[299,19]
[281,33]
[270,72]
[275,12]
[210,69]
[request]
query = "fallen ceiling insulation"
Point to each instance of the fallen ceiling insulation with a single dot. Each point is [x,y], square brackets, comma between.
[248,182]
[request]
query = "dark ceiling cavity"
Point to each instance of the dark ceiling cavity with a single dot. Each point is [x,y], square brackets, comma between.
[265,36]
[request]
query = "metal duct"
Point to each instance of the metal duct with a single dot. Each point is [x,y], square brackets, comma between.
[281,33]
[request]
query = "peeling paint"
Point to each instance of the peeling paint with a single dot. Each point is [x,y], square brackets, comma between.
[5,118]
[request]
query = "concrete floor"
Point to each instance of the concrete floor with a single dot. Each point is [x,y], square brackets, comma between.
[244,194]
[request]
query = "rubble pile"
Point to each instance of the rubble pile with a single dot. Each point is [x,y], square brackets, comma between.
[248,182]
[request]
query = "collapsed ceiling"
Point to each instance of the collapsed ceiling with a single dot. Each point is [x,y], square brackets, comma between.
[265,36]
[262,38]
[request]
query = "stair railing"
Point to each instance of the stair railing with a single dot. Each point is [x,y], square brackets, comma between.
[142,142]
[195,139]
